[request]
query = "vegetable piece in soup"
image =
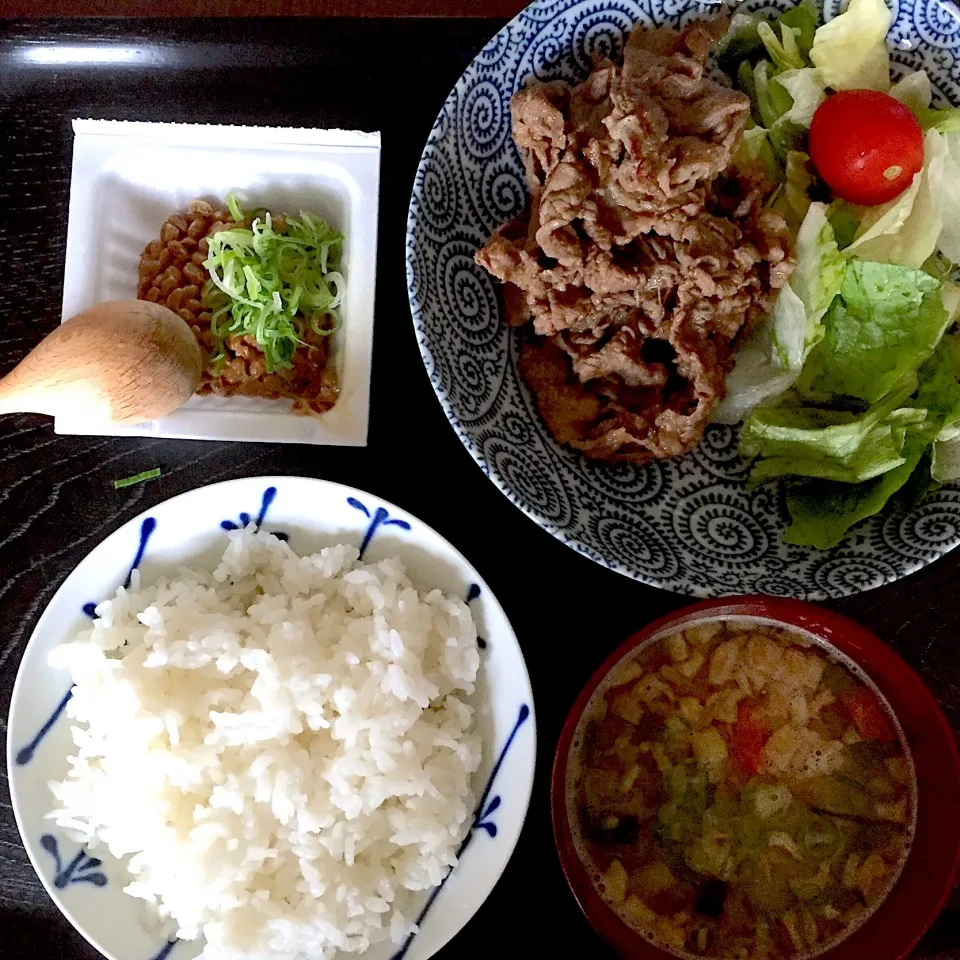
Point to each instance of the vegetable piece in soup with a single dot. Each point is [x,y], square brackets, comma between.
[740,794]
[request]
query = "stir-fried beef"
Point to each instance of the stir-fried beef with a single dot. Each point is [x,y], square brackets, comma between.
[643,257]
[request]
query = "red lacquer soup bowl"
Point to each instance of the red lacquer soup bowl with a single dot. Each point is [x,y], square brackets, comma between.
[930,871]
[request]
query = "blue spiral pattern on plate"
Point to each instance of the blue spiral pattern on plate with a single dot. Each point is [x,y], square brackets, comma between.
[689,524]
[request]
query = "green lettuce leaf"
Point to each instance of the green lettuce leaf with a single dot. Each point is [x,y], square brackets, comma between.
[948,198]
[845,219]
[772,100]
[823,511]
[831,444]
[914,91]
[811,433]
[906,230]
[880,451]
[802,20]
[940,392]
[851,49]
[770,362]
[803,91]
[764,368]
[820,268]
[939,388]
[755,154]
[806,89]
[945,465]
[886,322]
[740,44]
[799,180]
[945,120]
[742,40]
[783,50]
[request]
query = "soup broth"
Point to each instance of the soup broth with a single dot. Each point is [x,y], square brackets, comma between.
[737,792]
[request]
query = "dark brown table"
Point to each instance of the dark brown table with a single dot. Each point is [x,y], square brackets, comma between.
[56,493]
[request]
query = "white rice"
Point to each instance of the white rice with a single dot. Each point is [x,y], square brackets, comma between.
[282,747]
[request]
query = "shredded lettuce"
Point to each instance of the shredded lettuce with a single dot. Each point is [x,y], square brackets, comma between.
[761,53]
[852,383]
[944,390]
[876,452]
[945,465]
[787,102]
[769,363]
[845,219]
[274,280]
[856,462]
[940,391]
[943,120]
[914,91]
[741,44]
[802,20]
[851,49]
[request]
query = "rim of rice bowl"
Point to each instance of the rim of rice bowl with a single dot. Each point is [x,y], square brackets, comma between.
[411,817]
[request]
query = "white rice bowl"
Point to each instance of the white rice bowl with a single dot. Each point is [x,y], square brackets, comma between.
[283,747]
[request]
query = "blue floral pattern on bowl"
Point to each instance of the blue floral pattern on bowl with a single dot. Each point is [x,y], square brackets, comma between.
[689,524]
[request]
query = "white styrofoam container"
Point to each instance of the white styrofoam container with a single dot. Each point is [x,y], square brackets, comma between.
[128,177]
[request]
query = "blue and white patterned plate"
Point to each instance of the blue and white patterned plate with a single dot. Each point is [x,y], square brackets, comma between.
[87,886]
[688,524]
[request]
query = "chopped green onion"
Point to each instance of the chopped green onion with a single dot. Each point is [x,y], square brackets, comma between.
[274,281]
[234,207]
[137,478]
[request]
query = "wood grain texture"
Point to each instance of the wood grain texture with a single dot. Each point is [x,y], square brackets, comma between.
[56,493]
[122,362]
[260,8]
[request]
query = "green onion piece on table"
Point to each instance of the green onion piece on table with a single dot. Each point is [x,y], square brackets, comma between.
[137,478]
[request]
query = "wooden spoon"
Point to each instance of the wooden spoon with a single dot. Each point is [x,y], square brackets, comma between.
[125,362]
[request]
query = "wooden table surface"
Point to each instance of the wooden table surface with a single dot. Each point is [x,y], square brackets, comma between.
[261,8]
[56,493]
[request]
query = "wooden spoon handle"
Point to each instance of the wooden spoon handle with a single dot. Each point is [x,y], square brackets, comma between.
[125,362]
[18,397]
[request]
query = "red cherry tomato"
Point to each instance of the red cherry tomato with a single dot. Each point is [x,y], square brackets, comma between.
[866,146]
[748,738]
[867,714]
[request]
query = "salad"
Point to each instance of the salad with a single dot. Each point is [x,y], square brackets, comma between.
[850,388]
